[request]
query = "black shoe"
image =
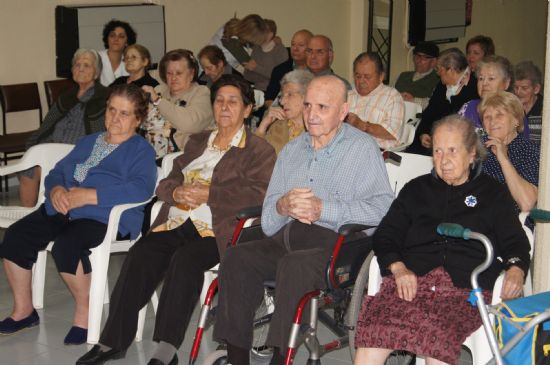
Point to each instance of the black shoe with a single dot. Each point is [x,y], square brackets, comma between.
[9,326]
[97,357]
[174,361]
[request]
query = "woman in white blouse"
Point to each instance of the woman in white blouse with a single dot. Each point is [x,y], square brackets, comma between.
[117,35]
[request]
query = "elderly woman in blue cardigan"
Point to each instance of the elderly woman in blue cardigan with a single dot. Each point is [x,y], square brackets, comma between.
[103,170]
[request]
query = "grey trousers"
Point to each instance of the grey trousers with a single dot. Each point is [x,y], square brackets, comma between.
[296,257]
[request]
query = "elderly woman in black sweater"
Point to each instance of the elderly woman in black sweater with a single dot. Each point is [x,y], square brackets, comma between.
[421,306]
[77,112]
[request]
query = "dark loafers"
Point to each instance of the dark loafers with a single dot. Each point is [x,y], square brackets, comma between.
[76,336]
[97,357]
[9,326]
[174,361]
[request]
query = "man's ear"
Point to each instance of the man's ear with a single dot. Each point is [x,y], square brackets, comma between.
[248,111]
[344,110]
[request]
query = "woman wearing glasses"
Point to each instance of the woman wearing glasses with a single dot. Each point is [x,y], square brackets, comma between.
[283,123]
[137,60]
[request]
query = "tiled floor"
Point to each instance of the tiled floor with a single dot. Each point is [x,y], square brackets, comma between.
[43,345]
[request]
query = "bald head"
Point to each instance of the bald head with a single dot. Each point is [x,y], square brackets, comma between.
[333,84]
[319,54]
[325,109]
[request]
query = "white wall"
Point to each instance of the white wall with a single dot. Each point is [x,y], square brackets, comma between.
[516,26]
[27,29]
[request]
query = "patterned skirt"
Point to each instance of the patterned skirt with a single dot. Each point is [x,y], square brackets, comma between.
[434,324]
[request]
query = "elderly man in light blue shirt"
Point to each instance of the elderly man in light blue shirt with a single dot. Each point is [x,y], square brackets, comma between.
[330,176]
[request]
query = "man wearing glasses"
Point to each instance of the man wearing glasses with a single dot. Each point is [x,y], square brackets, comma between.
[375,108]
[319,56]
[417,86]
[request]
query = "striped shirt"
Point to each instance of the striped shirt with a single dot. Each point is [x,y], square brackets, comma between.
[348,175]
[384,105]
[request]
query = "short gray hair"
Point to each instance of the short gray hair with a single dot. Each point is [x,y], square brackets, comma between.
[453,59]
[302,78]
[470,138]
[502,64]
[97,64]
[527,70]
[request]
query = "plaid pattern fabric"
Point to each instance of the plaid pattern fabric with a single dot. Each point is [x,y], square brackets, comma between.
[384,106]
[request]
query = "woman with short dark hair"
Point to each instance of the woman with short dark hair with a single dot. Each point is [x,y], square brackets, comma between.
[117,35]
[103,170]
[221,172]
[178,108]
[477,48]
[214,65]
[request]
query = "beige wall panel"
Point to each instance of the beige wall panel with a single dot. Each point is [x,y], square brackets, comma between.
[516,26]
[27,29]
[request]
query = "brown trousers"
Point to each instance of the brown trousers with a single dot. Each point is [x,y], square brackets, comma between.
[296,257]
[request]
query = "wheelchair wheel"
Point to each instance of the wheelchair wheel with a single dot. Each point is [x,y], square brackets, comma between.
[218,357]
[359,289]
[260,351]
[357,294]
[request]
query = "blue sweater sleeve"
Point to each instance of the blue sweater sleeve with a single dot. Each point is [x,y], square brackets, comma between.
[140,182]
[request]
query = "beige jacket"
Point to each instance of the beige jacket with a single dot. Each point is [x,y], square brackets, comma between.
[189,112]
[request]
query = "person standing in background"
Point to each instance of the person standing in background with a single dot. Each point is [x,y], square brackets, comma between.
[117,35]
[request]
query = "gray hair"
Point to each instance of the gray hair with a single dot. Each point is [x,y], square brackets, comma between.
[470,138]
[527,70]
[300,77]
[97,64]
[502,64]
[453,59]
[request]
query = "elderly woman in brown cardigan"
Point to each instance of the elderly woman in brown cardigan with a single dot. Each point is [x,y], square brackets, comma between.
[220,172]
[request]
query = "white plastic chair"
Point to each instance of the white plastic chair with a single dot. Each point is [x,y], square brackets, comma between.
[44,155]
[411,122]
[477,342]
[166,167]
[411,166]
[99,259]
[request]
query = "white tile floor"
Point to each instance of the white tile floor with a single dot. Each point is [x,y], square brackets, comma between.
[43,345]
